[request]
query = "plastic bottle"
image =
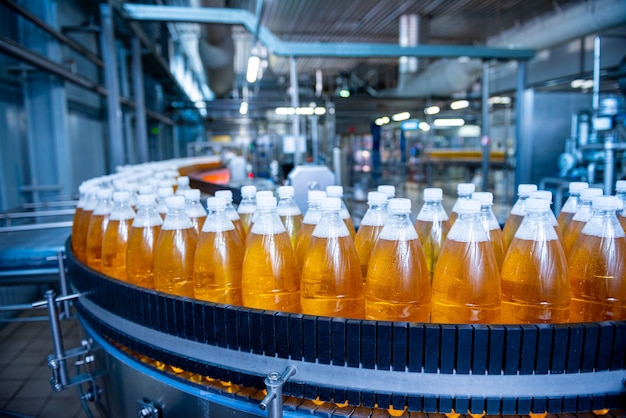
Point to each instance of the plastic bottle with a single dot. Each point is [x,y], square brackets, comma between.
[311,219]
[219,257]
[97,225]
[534,278]
[388,190]
[398,282]
[571,204]
[466,283]
[182,185]
[491,225]
[82,199]
[331,282]
[115,241]
[174,251]
[597,266]
[142,239]
[514,220]
[371,225]
[270,277]
[231,212]
[547,195]
[194,208]
[620,188]
[464,192]
[432,225]
[258,195]
[580,217]
[289,212]
[247,207]
[337,191]
[80,226]
[162,194]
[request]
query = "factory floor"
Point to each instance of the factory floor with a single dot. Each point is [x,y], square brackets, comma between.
[25,389]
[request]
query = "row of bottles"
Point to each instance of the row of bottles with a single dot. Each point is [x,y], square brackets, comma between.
[461,269]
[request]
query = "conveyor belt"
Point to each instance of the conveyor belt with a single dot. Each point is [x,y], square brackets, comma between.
[499,369]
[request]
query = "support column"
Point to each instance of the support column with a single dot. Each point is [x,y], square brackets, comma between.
[141,130]
[523,152]
[485,140]
[295,103]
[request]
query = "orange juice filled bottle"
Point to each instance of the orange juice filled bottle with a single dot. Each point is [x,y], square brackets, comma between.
[97,225]
[80,226]
[311,219]
[432,225]
[547,195]
[270,277]
[535,285]
[247,206]
[464,192]
[620,188]
[491,225]
[289,212]
[337,191]
[514,220]
[231,212]
[182,185]
[331,282]
[82,199]
[142,239]
[466,283]
[597,266]
[194,208]
[174,251]
[371,225]
[572,204]
[398,282]
[582,215]
[219,257]
[162,194]
[115,241]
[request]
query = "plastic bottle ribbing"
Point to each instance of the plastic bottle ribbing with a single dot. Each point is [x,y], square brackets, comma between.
[432,225]
[370,227]
[115,240]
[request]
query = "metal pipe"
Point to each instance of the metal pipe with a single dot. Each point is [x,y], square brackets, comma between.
[315,139]
[141,130]
[63,284]
[295,103]
[609,165]
[522,155]
[485,140]
[57,341]
[596,75]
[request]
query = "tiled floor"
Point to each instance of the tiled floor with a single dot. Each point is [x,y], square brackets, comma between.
[25,389]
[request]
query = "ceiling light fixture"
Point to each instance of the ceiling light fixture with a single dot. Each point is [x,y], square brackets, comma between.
[432,110]
[254,63]
[243,108]
[398,117]
[424,126]
[459,104]
[447,123]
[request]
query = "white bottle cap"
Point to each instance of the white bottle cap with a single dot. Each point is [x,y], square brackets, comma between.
[468,206]
[399,204]
[226,194]
[121,196]
[542,194]
[183,181]
[485,198]
[105,193]
[175,201]
[465,188]
[265,202]
[316,195]
[146,189]
[215,203]
[536,204]
[605,203]
[376,198]
[192,194]
[334,191]
[526,189]
[588,194]
[145,199]
[165,192]
[285,191]
[620,186]
[248,191]
[433,193]
[331,203]
[577,186]
[264,193]
[387,189]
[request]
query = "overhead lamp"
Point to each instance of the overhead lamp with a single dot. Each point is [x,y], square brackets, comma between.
[503,100]
[307,111]
[344,92]
[243,108]
[459,104]
[398,117]
[448,123]
[424,126]
[432,110]
[382,121]
[581,84]
[254,63]
[319,110]
[285,111]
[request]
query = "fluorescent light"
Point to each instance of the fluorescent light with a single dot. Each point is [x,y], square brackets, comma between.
[320,110]
[398,117]
[432,110]
[499,100]
[581,84]
[305,111]
[243,108]
[424,126]
[449,122]
[459,104]
[285,111]
[345,93]
[254,63]
[382,121]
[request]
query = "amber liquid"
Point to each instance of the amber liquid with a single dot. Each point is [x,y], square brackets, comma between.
[564,219]
[140,255]
[571,235]
[114,248]
[510,228]
[95,236]
[597,272]
[398,282]
[432,236]
[246,221]
[364,243]
[496,238]
[453,217]
[198,223]
[292,223]
[622,221]
[304,239]
[173,261]
[239,227]
[350,225]
[80,227]
[535,284]
[466,285]
[217,268]
[270,277]
[331,279]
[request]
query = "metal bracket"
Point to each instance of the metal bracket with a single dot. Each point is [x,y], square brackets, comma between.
[147,409]
[273,401]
